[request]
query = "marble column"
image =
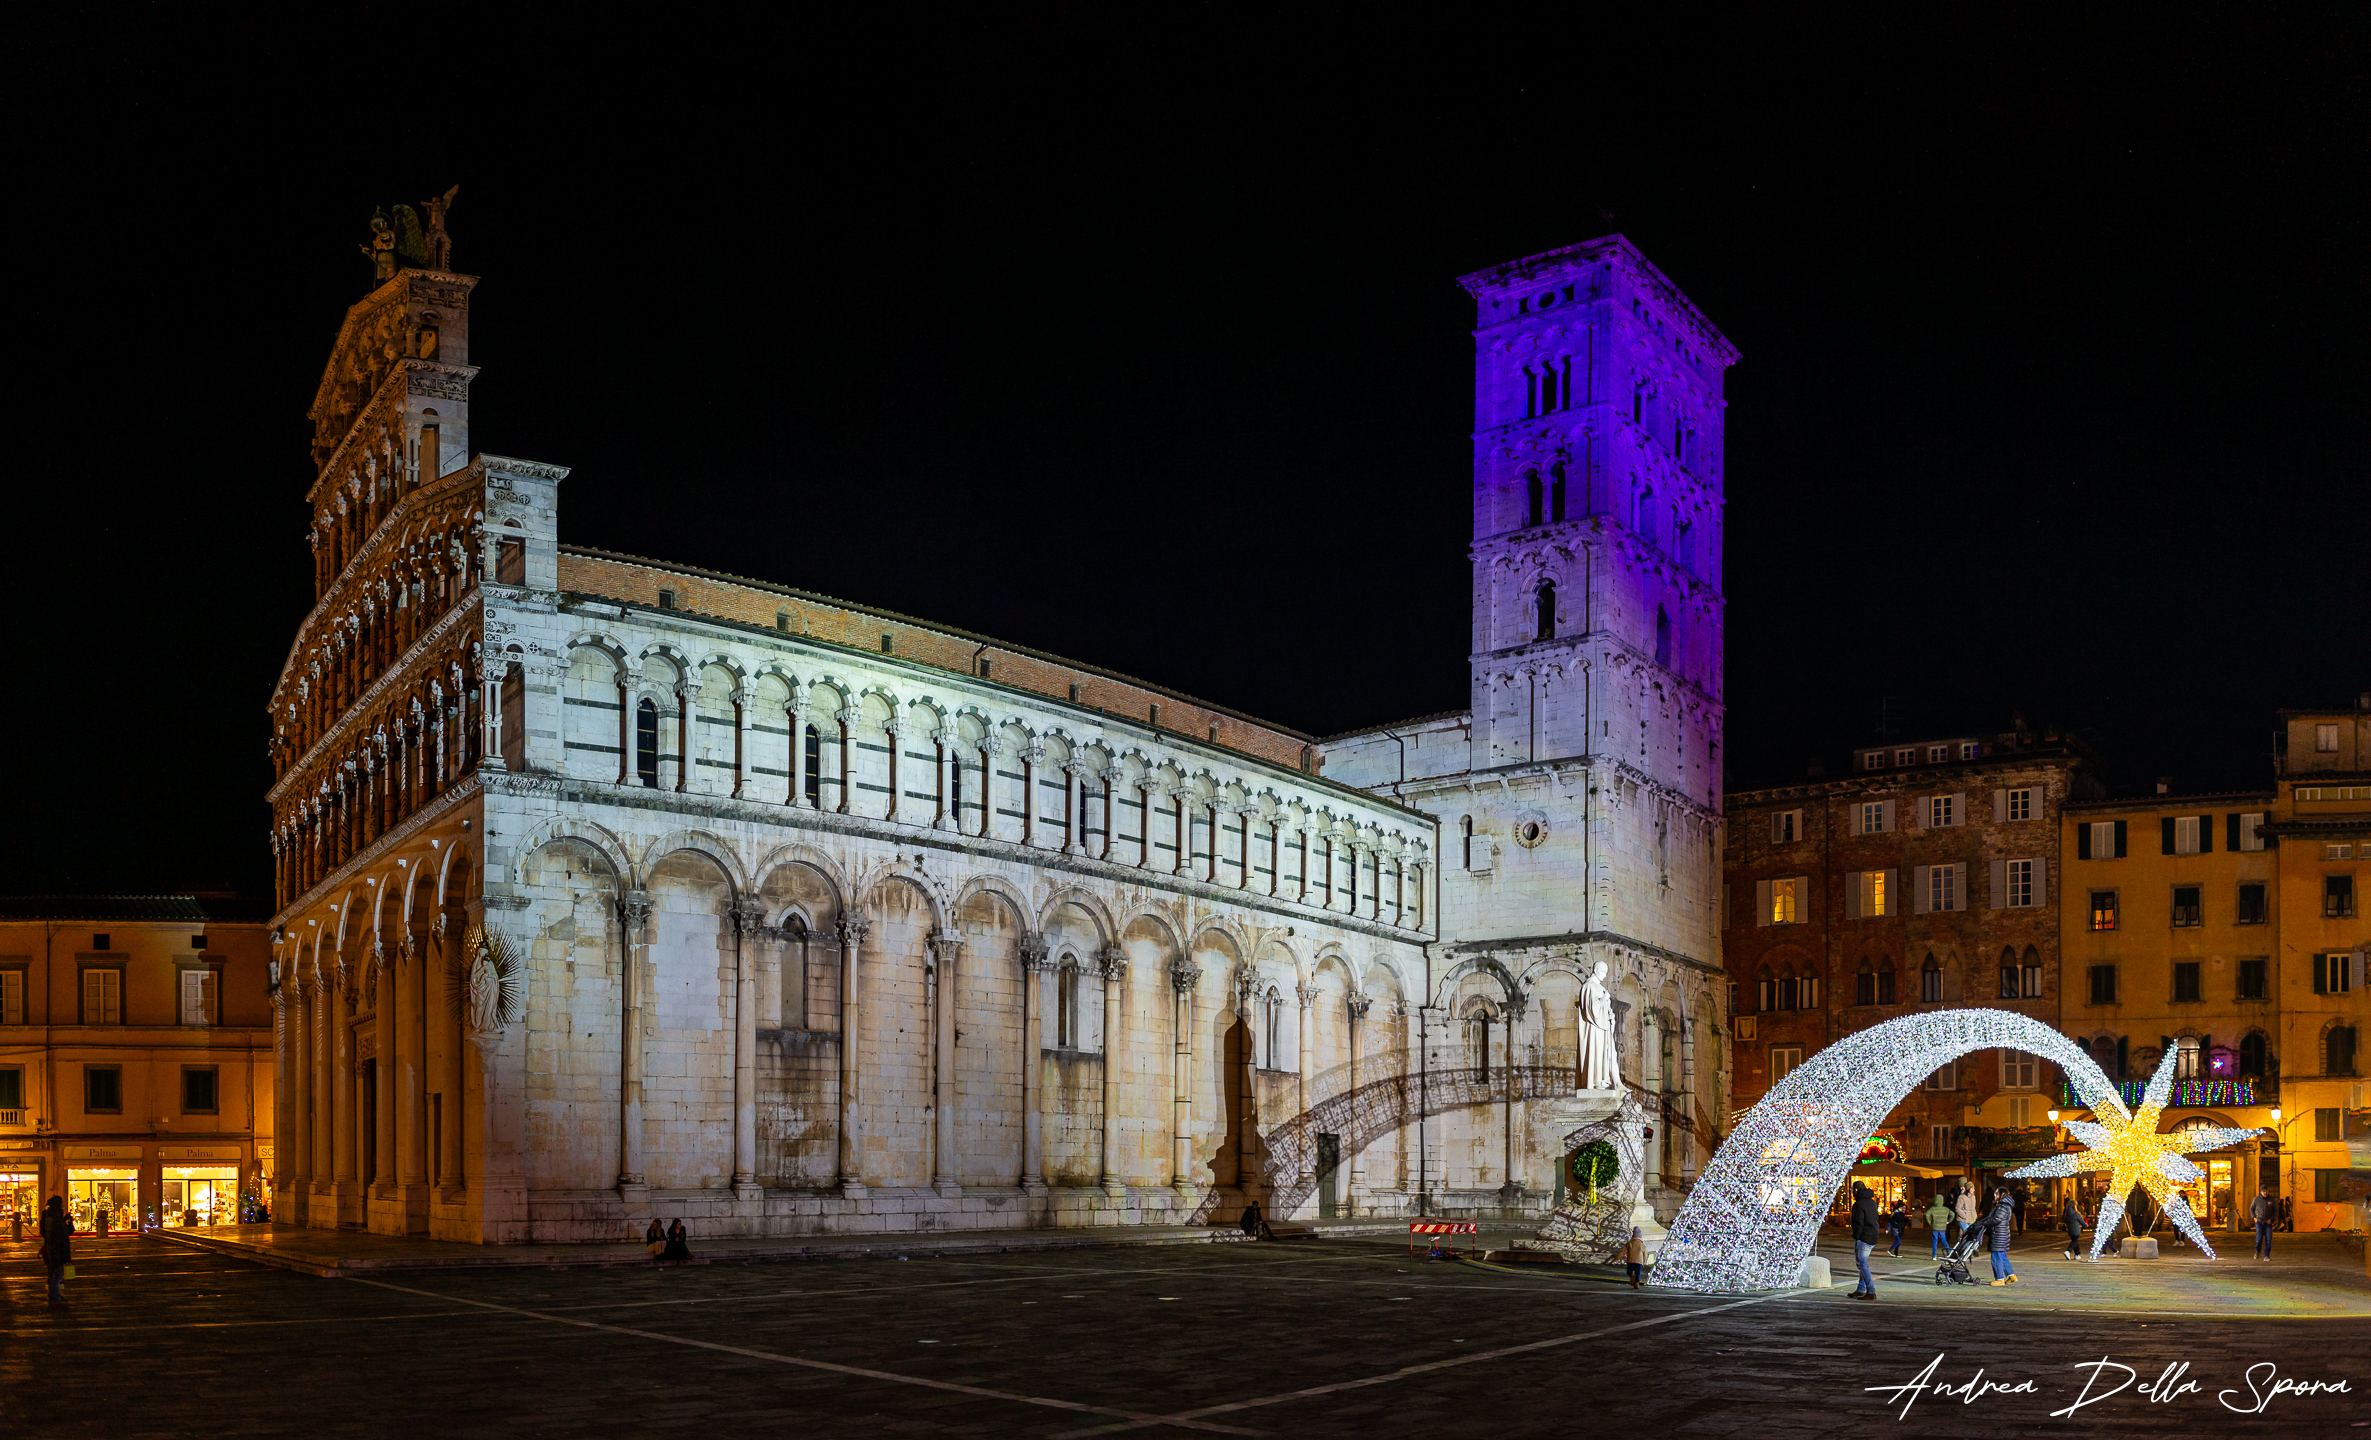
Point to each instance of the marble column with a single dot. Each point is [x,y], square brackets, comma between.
[1184,975]
[1115,976]
[1036,963]
[345,1131]
[946,818]
[685,691]
[741,700]
[411,1044]
[1357,1005]
[795,713]
[893,730]
[1182,797]
[853,931]
[946,949]
[1302,1049]
[1074,805]
[1247,1080]
[1030,755]
[297,1164]
[629,729]
[849,715]
[634,919]
[322,1092]
[749,918]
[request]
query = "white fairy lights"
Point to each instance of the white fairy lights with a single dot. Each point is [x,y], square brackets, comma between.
[2126,1144]
[1757,1207]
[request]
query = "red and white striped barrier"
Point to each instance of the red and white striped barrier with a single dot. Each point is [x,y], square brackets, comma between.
[1443,1227]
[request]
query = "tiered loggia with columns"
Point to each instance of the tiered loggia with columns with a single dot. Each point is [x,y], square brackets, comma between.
[613,887]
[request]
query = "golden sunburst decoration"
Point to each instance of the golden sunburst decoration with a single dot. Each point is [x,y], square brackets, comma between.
[2126,1144]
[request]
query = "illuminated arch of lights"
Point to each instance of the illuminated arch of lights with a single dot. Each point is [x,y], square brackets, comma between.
[1756,1209]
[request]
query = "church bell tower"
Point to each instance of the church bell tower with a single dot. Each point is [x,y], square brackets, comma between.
[1598,518]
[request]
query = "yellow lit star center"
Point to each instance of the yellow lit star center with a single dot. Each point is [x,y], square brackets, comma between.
[2129,1147]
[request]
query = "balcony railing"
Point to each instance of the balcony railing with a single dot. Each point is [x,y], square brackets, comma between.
[2186,1093]
[12,1117]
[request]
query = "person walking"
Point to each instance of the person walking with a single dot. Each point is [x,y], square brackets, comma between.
[2071,1216]
[2263,1209]
[1938,1221]
[679,1245]
[2001,1219]
[1864,1238]
[654,1240]
[1963,1210]
[1635,1254]
[57,1248]
[1897,1222]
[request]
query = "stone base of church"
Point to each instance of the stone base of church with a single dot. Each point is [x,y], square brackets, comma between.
[588,1217]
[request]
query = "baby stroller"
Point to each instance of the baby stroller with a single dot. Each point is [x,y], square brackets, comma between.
[1953,1267]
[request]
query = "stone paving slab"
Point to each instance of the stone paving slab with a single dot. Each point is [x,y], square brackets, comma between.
[1340,1336]
[332,1253]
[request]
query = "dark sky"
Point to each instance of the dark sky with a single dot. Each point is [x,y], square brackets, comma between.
[1145,347]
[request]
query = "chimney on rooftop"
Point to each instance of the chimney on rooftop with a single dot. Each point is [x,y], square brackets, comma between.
[2363,700]
[2165,784]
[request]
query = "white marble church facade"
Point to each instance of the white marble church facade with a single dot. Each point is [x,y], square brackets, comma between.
[612,887]
[1579,796]
[804,917]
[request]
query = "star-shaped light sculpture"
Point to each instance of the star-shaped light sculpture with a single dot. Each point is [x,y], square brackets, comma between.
[2126,1144]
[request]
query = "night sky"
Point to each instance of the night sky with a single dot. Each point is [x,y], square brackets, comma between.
[1145,347]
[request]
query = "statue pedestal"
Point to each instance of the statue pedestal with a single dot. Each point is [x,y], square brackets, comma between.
[1618,1118]
[2143,1247]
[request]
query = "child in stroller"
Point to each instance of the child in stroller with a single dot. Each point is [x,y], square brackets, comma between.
[1953,1267]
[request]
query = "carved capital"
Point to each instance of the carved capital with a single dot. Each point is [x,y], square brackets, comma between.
[853,930]
[1360,1005]
[1035,954]
[1184,974]
[633,909]
[1114,958]
[749,916]
[1308,994]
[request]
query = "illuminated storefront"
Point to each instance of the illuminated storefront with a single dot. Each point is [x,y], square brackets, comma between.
[20,1197]
[200,1195]
[110,1190]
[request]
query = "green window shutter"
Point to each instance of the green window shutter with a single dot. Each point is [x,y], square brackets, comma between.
[2082,842]
[2206,834]
[2165,831]
[2121,852]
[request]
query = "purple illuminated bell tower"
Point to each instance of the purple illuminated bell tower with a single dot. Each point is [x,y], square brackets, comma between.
[1580,795]
[1598,515]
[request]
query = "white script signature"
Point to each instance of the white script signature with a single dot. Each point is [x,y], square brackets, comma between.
[2264,1384]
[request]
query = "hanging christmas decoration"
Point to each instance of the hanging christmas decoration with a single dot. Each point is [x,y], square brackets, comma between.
[2126,1144]
[1880,1147]
[1755,1210]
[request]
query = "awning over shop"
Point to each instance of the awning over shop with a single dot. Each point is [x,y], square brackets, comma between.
[1896,1170]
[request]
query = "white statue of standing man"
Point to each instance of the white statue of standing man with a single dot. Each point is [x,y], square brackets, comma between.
[1599,1069]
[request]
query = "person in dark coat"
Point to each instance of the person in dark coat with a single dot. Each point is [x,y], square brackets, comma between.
[679,1245]
[654,1240]
[57,1248]
[1897,1223]
[2071,1216]
[2002,1220]
[1865,1234]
